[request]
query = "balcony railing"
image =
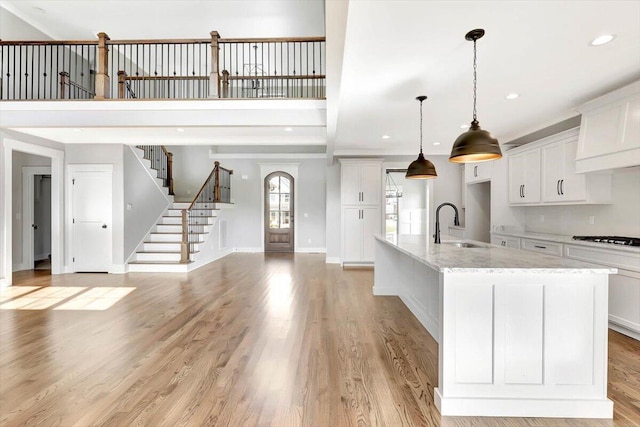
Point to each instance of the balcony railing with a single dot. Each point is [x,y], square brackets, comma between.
[163,69]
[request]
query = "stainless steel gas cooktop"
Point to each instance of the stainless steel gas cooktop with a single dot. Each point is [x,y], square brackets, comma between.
[616,240]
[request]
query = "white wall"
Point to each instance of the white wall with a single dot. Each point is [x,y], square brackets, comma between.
[478,210]
[105,154]
[144,201]
[20,160]
[14,28]
[621,218]
[192,165]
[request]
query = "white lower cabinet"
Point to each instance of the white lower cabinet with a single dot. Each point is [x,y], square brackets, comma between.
[624,287]
[360,225]
[541,246]
[507,241]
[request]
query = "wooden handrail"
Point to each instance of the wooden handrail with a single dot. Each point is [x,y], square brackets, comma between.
[286,77]
[168,78]
[206,181]
[46,42]
[274,40]
[160,41]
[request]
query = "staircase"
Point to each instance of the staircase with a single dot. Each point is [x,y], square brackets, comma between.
[160,251]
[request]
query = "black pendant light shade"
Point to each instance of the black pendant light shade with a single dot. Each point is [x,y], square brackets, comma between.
[475,145]
[421,168]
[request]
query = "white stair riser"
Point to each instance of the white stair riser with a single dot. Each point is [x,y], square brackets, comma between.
[177,229]
[172,237]
[169,247]
[156,256]
[181,205]
[158,268]
[176,220]
[169,228]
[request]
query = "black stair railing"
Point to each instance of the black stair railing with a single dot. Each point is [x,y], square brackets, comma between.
[216,189]
[161,161]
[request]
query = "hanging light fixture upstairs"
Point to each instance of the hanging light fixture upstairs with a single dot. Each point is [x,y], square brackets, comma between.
[421,168]
[475,145]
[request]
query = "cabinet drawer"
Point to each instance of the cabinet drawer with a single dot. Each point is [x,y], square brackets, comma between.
[506,241]
[541,246]
[608,257]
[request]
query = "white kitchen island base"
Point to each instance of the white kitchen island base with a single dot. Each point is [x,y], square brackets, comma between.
[519,334]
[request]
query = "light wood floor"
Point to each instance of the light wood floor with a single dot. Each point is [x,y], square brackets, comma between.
[249,340]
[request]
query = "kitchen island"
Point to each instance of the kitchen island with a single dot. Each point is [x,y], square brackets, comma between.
[519,333]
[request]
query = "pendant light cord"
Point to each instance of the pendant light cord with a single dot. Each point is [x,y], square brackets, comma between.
[420,127]
[475,81]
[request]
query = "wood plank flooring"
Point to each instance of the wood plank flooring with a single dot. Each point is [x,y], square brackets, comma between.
[250,340]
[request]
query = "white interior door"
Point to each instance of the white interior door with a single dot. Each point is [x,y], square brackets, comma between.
[92,222]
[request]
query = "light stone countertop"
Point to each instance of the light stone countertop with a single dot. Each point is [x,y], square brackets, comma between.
[488,259]
[567,240]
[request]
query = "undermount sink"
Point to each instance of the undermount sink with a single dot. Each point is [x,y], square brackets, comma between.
[463,245]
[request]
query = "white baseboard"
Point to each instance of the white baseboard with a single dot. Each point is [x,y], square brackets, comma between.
[248,250]
[19,267]
[523,407]
[624,331]
[312,250]
[333,260]
[118,269]
[385,291]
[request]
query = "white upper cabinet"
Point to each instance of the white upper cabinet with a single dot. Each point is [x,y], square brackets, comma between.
[524,177]
[361,182]
[561,184]
[477,172]
[610,131]
[543,172]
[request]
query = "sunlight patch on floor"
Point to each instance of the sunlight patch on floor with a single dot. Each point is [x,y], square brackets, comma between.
[65,297]
[96,299]
[15,291]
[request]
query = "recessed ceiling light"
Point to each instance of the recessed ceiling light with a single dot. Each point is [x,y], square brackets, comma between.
[512,96]
[603,39]
[288,129]
[465,126]
[179,130]
[386,137]
[436,143]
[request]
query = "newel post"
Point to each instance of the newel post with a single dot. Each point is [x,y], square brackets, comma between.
[121,77]
[170,173]
[184,245]
[216,182]
[103,88]
[225,84]
[64,81]
[214,77]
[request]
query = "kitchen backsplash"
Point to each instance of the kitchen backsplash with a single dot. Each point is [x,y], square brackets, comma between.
[621,218]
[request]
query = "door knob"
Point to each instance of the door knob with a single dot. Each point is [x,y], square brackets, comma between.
[104,225]
[35,227]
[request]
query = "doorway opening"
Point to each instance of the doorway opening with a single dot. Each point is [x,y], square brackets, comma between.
[42,223]
[279,212]
[405,205]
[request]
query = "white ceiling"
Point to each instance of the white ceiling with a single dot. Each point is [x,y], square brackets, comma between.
[395,51]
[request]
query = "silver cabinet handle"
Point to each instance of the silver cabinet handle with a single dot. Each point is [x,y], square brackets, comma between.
[562,187]
[558,187]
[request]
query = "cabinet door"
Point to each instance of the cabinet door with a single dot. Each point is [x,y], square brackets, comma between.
[352,234]
[516,178]
[505,241]
[371,183]
[573,187]
[351,194]
[477,172]
[553,161]
[524,177]
[531,189]
[624,299]
[370,227]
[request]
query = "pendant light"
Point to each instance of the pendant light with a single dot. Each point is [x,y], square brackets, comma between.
[421,168]
[475,145]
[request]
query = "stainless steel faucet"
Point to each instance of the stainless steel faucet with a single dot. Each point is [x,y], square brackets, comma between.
[456,221]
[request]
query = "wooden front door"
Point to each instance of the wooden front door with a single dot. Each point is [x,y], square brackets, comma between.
[278,212]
